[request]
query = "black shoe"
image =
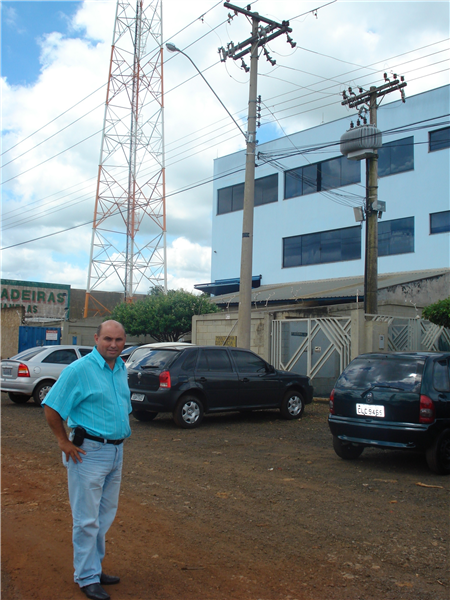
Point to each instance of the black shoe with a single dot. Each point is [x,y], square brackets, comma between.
[95,591]
[108,579]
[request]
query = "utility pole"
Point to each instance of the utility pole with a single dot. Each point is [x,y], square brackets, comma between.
[260,36]
[372,205]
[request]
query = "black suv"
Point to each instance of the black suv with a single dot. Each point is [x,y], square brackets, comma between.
[398,400]
[191,381]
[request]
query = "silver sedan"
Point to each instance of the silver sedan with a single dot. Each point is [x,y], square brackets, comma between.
[34,371]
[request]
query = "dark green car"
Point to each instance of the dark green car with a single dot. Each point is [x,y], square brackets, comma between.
[395,400]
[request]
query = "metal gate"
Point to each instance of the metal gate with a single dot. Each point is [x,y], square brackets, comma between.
[319,348]
[414,335]
[38,336]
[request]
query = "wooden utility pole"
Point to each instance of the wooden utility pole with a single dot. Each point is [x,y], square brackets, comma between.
[371,259]
[260,36]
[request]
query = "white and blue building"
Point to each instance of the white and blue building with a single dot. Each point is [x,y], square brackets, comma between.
[305,192]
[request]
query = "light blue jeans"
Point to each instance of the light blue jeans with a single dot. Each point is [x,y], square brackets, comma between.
[94,486]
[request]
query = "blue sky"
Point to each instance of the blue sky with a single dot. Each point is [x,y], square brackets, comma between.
[23,25]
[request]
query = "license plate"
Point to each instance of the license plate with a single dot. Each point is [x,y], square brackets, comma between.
[370,410]
[138,397]
[6,372]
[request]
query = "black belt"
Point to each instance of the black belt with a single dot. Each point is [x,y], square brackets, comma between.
[88,436]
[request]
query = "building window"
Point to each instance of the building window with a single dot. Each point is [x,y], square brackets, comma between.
[396,237]
[231,198]
[439,139]
[396,157]
[440,222]
[322,247]
[266,190]
[318,177]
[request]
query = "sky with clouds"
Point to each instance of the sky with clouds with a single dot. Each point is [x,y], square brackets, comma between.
[55,63]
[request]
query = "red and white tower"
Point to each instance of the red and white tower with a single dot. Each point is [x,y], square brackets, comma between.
[128,247]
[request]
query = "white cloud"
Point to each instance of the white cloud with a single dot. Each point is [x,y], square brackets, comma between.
[189,264]
[302,90]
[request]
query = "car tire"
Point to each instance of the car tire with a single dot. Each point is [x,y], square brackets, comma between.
[188,412]
[41,390]
[292,406]
[18,398]
[347,450]
[144,415]
[438,455]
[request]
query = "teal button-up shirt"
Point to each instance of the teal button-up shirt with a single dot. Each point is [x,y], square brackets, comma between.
[89,394]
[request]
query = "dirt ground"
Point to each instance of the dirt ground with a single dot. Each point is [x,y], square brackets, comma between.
[246,507]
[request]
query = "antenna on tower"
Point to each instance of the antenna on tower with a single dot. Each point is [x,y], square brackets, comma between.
[128,246]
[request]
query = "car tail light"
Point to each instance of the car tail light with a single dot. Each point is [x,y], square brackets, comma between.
[427,411]
[332,402]
[164,380]
[23,371]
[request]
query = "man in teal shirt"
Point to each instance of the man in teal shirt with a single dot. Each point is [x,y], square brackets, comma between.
[93,395]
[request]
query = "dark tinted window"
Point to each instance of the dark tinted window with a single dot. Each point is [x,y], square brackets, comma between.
[248,363]
[396,157]
[214,360]
[84,351]
[156,359]
[441,376]
[439,139]
[266,190]
[364,373]
[326,175]
[440,222]
[231,198]
[396,237]
[189,361]
[61,357]
[322,247]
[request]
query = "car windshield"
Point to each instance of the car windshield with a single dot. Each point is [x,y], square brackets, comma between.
[400,372]
[155,359]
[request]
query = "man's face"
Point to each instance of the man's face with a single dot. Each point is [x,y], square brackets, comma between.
[111,341]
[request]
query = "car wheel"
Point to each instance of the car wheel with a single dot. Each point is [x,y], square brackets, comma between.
[144,415]
[347,450]
[18,398]
[41,390]
[438,455]
[292,406]
[188,413]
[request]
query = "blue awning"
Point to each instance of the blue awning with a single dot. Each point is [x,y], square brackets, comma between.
[225,286]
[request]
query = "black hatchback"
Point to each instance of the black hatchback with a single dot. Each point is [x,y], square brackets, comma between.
[192,381]
[397,400]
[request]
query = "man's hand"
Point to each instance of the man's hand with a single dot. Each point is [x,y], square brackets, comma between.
[56,425]
[70,450]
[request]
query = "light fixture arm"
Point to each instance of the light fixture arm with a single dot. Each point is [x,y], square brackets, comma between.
[173,48]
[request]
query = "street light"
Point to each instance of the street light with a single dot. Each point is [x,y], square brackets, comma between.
[173,48]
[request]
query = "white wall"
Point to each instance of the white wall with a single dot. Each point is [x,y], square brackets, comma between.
[414,193]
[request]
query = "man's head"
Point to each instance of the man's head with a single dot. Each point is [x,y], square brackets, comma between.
[110,339]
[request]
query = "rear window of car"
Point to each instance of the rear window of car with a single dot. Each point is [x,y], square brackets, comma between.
[30,353]
[399,372]
[156,359]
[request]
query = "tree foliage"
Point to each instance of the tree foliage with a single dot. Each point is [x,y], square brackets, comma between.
[438,313]
[165,317]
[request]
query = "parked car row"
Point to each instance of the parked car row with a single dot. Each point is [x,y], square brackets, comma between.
[393,400]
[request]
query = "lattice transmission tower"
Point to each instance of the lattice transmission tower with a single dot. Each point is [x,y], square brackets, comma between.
[128,247]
